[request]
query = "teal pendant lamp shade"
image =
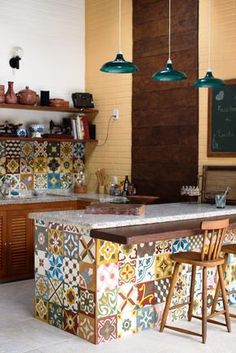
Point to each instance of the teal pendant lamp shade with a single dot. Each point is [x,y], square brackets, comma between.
[119,65]
[169,73]
[209,81]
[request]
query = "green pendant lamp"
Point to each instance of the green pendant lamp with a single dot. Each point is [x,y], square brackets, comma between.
[169,73]
[209,81]
[119,65]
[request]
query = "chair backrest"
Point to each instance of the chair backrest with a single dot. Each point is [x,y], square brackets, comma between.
[214,233]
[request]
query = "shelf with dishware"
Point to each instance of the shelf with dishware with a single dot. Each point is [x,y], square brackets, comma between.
[90,111]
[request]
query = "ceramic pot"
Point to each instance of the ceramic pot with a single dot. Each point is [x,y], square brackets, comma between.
[27,96]
[2,94]
[10,96]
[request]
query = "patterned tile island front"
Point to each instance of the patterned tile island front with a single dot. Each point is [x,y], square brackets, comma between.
[101,290]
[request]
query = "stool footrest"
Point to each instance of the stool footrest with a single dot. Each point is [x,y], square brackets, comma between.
[179,305]
[179,329]
[210,321]
[232,315]
[216,314]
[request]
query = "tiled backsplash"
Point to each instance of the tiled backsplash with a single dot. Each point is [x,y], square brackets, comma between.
[40,165]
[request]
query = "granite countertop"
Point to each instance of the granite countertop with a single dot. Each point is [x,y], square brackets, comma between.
[53,196]
[154,214]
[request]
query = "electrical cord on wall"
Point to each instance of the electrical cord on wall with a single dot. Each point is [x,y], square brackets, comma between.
[107,134]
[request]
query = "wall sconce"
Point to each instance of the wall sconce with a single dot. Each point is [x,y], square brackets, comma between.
[17,53]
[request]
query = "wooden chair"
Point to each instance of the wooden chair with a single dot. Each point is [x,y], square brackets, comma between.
[214,232]
[227,250]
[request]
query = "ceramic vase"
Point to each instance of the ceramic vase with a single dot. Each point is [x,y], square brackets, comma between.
[10,97]
[2,94]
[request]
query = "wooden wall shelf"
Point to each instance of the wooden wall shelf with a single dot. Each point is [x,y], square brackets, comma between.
[42,139]
[49,109]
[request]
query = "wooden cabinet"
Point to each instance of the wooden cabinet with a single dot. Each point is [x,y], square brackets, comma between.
[17,237]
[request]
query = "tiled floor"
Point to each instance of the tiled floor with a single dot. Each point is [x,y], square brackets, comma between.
[21,333]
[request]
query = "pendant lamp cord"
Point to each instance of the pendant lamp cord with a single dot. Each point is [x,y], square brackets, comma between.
[119,24]
[169,60]
[209,35]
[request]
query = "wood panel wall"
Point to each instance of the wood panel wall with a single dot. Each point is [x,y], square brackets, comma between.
[164,115]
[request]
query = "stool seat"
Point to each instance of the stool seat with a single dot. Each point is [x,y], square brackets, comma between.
[229,249]
[194,258]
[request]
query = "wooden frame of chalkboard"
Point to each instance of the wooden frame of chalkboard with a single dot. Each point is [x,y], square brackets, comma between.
[221,127]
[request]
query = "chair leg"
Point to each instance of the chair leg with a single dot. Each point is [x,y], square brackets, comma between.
[215,301]
[204,304]
[169,296]
[224,297]
[191,297]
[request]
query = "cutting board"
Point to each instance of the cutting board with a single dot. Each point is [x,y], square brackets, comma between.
[117,209]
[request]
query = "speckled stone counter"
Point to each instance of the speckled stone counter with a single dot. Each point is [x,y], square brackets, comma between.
[101,290]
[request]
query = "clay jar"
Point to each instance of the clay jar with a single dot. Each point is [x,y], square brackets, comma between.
[10,96]
[2,94]
[27,96]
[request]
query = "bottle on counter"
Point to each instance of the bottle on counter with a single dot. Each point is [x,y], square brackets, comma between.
[126,185]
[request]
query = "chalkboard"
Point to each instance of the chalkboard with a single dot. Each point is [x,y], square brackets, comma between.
[222,120]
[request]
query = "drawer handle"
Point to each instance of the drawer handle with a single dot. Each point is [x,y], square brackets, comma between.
[5,244]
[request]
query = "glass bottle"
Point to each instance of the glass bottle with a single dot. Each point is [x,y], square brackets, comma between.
[126,185]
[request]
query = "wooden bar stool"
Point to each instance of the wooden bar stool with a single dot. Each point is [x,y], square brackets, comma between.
[214,232]
[227,250]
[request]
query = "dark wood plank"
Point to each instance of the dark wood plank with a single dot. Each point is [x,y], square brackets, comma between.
[154,232]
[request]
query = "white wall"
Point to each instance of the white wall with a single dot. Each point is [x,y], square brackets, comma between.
[51,33]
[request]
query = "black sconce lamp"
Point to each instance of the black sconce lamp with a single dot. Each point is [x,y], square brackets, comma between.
[17,53]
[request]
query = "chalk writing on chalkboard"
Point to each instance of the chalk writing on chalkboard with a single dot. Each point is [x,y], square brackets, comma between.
[222,120]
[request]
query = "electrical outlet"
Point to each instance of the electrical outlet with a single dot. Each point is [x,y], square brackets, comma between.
[115,114]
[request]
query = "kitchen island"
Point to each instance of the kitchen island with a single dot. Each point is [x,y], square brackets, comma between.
[105,276]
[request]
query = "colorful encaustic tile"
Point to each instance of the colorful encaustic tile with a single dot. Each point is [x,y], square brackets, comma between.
[40,165]
[181,291]
[126,323]
[162,289]
[71,297]
[70,321]
[41,286]
[55,291]
[71,245]
[12,149]
[41,238]
[107,303]
[179,313]
[127,298]
[26,166]
[146,294]
[40,149]
[53,149]
[53,181]
[87,302]
[107,329]
[14,180]
[163,247]
[66,165]
[66,181]
[66,150]
[146,249]
[41,309]
[41,262]
[55,241]
[55,267]
[40,181]
[71,271]
[87,249]
[12,165]
[2,149]
[26,181]
[146,318]
[54,165]
[127,272]
[78,150]
[78,165]
[127,252]
[196,242]
[26,149]
[107,277]
[2,165]
[56,315]
[86,328]
[145,269]
[107,252]
[163,266]
[181,244]
[87,276]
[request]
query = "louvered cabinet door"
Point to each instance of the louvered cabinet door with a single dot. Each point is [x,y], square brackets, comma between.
[19,247]
[3,246]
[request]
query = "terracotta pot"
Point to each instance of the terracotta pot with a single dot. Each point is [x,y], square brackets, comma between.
[10,96]
[2,94]
[27,96]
